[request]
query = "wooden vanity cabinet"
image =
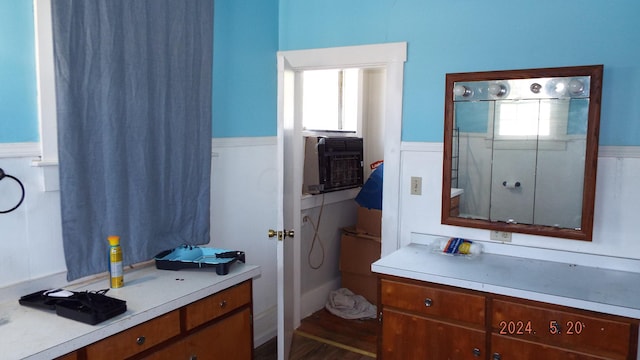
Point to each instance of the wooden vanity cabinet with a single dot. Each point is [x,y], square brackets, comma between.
[69,356]
[454,210]
[217,326]
[421,320]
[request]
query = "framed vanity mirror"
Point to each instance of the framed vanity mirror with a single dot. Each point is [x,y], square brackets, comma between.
[521,150]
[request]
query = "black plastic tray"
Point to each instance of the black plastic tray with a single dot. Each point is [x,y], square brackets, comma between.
[193,257]
[91,308]
[87,307]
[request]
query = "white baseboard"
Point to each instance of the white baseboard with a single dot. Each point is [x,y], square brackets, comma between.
[265,326]
[314,300]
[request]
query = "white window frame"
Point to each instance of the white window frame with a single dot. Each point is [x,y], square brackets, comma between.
[357,110]
[46,97]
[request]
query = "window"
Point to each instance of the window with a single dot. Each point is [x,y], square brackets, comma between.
[531,119]
[331,100]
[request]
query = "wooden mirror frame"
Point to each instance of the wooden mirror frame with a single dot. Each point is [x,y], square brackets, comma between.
[585,232]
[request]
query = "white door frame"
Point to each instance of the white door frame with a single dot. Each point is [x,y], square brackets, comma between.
[391,57]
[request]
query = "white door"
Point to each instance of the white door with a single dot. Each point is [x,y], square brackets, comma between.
[391,58]
[288,272]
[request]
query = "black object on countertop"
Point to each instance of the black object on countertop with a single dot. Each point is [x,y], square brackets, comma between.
[84,306]
[193,257]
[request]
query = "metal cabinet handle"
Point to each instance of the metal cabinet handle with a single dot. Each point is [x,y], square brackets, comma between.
[428,302]
[476,352]
[193,357]
[496,356]
[223,303]
[140,340]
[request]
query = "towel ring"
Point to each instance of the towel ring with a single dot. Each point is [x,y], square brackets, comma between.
[4,175]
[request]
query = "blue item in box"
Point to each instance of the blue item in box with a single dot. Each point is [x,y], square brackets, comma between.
[190,257]
[370,196]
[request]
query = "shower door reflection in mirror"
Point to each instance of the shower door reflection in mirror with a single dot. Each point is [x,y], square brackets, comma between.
[520,154]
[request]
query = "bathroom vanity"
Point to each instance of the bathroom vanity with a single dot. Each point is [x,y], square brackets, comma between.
[170,314]
[434,306]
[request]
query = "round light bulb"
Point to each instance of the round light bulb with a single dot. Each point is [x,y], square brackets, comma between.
[497,89]
[535,88]
[461,90]
[576,86]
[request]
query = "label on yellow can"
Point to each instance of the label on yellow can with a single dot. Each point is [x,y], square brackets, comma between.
[115,267]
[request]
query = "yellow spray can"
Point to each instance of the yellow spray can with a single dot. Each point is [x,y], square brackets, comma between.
[116,271]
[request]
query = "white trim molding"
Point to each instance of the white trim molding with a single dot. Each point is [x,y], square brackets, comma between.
[45,75]
[603,151]
[243,141]
[421,146]
[619,151]
[18,150]
[361,56]
[391,57]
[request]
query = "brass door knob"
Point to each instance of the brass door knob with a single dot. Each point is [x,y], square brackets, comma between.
[280,234]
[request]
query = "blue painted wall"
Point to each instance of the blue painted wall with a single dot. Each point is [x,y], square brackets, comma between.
[446,36]
[443,36]
[244,84]
[18,109]
[244,70]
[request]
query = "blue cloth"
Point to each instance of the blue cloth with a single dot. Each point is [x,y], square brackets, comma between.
[134,93]
[370,196]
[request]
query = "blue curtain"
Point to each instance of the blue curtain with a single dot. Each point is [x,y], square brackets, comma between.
[133,84]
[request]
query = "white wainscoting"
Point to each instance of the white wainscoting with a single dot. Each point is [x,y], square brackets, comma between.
[243,209]
[617,207]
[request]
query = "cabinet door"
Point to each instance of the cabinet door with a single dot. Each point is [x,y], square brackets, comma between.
[505,348]
[406,336]
[230,338]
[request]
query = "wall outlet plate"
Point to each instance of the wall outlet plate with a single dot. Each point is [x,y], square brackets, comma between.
[500,236]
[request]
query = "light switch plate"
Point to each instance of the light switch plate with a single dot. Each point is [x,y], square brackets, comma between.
[416,185]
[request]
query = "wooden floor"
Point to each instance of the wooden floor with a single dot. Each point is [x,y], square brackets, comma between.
[326,336]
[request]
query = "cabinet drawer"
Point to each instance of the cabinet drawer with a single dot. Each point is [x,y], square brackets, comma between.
[137,339]
[217,305]
[436,301]
[455,206]
[604,335]
[230,338]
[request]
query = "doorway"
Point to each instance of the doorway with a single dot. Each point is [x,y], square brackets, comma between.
[390,58]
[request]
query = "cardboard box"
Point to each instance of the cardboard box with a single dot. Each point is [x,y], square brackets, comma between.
[357,252]
[369,221]
[364,285]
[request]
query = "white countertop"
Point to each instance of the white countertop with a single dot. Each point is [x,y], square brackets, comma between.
[583,287]
[456,192]
[29,333]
